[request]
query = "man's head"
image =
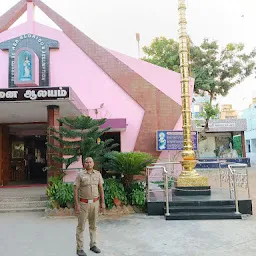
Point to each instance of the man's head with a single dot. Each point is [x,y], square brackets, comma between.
[88,163]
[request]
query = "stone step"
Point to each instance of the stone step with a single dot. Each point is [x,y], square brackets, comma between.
[23,204]
[39,209]
[202,203]
[203,216]
[23,199]
[206,208]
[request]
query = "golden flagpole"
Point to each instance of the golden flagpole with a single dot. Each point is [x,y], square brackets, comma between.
[188,177]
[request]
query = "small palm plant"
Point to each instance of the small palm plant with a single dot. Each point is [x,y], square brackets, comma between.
[128,164]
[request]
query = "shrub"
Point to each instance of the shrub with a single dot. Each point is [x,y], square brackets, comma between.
[113,188]
[137,194]
[128,163]
[59,194]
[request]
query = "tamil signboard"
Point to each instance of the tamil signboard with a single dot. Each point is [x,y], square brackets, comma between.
[173,140]
[227,125]
[34,94]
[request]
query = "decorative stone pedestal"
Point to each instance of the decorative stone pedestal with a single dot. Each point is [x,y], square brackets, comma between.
[190,182]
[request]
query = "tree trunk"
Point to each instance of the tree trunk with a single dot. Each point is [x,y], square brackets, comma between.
[206,125]
[211,98]
[127,180]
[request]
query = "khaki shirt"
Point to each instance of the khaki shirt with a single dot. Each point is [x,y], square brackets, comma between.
[87,184]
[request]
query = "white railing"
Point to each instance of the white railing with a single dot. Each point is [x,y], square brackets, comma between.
[165,177]
[230,175]
[236,180]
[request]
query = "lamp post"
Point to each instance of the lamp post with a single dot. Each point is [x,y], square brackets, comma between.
[188,177]
[138,41]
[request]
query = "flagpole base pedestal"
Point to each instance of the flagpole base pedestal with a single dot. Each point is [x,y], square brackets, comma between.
[190,182]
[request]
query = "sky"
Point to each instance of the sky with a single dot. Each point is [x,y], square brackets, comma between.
[114,24]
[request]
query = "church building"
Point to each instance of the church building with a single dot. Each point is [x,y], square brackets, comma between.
[47,73]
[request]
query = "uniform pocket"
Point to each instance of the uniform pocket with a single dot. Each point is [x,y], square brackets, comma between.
[85,181]
[95,181]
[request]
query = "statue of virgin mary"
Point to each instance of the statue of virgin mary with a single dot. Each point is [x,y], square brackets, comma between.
[27,68]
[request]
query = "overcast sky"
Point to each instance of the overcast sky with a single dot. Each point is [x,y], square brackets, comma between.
[114,23]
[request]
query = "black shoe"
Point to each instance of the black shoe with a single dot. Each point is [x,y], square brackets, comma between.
[81,253]
[95,249]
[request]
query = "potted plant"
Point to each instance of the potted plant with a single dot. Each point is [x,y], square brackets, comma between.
[117,202]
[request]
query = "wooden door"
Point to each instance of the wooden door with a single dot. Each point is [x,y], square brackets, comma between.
[4,155]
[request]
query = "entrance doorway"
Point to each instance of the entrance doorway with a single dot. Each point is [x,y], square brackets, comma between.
[116,137]
[27,158]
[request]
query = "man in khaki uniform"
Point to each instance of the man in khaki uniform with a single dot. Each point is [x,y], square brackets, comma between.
[88,187]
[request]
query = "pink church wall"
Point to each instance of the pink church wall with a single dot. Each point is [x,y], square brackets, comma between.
[69,66]
[93,87]
[165,80]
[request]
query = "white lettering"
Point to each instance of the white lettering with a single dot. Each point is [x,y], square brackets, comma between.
[9,95]
[62,93]
[52,93]
[30,94]
[42,94]
[2,95]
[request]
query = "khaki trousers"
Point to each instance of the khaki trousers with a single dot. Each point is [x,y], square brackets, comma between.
[90,212]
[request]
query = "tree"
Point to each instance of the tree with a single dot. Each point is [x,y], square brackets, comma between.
[79,138]
[209,112]
[163,52]
[215,70]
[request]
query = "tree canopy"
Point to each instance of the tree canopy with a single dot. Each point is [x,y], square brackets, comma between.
[215,69]
[79,137]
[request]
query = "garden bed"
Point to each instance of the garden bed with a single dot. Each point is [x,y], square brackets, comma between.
[66,212]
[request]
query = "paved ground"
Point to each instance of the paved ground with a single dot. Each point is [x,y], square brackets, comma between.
[30,234]
[136,235]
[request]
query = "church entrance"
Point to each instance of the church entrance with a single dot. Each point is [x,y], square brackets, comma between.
[116,137]
[27,157]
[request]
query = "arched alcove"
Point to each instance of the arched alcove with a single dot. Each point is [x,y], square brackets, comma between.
[26,68]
